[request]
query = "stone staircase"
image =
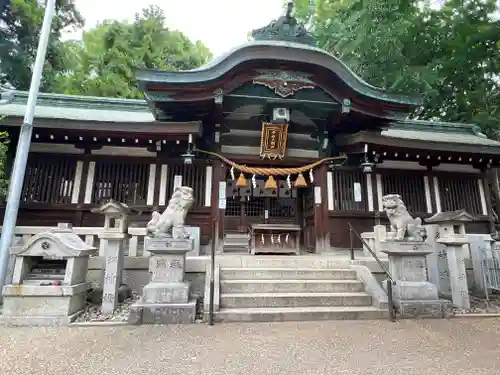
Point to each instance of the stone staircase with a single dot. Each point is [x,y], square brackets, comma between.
[293,294]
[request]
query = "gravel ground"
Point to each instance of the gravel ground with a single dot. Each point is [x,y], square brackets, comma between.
[465,346]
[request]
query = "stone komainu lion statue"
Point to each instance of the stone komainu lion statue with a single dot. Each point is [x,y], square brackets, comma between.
[403,226]
[171,221]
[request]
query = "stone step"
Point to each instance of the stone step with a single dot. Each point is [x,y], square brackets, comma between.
[298,286]
[286,274]
[239,300]
[282,314]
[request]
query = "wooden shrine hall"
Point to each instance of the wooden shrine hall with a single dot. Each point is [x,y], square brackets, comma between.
[282,143]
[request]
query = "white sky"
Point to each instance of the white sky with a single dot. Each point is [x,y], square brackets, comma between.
[219,24]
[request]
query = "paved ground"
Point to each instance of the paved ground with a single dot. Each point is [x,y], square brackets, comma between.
[459,346]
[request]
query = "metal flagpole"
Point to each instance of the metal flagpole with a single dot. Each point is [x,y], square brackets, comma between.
[23,147]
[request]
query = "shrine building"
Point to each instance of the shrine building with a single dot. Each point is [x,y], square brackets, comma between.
[276,137]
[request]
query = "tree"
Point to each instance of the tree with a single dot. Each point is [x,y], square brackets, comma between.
[449,54]
[19,33]
[104,64]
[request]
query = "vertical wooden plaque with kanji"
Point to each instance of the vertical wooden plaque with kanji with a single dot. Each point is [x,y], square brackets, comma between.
[273,140]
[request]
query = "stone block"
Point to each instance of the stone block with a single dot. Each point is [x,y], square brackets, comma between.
[167,268]
[425,309]
[149,313]
[414,290]
[166,293]
[168,244]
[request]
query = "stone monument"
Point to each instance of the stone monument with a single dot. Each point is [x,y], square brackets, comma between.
[439,225]
[405,245]
[49,280]
[114,233]
[166,299]
[452,235]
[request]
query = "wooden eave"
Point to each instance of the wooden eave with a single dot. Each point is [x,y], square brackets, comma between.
[135,128]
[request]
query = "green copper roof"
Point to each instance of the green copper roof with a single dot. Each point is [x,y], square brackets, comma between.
[434,131]
[285,28]
[80,108]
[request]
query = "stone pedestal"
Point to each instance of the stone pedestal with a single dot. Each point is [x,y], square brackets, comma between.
[456,266]
[165,300]
[113,271]
[413,295]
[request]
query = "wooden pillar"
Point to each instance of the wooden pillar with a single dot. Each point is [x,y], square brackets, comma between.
[78,221]
[217,217]
[487,197]
[321,220]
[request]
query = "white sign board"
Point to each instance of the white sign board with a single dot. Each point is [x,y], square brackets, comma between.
[317,195]
[222,204]
[266,214]
[177,181]
[222,189]
[357,192]
[222,195]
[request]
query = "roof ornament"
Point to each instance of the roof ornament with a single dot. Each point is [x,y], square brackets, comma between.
[286,28]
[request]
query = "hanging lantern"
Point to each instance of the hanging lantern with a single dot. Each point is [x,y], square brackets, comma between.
[271,183]
[241,182]
[300,182]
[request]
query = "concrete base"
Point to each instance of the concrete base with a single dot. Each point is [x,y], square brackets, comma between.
[426,309]
[413,290]
[162,313]
[43,305]
[37,320]
[166,293]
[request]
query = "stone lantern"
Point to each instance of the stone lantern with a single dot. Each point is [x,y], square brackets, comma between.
[449,262]
[115,232]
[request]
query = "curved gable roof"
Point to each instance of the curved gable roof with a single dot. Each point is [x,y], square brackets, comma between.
[272,50]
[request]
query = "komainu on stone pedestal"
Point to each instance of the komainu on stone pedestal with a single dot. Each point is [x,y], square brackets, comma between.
[403,226]
[171,221]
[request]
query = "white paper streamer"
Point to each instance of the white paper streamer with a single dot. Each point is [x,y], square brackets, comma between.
[311,176]
[289,182]
[232,173]
[254,182]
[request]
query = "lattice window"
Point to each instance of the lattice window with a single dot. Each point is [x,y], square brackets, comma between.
[344,182]
[282,207]
[410,186]
[123,182]
[49,180]
[233,206]
[255,206]
[460,193]
[193,175]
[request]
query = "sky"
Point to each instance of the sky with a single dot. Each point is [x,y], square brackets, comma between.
[219,24]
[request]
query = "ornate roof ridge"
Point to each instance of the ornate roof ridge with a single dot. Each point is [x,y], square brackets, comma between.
[285,28]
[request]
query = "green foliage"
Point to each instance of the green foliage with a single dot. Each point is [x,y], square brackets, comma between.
[19,41]
[104,64]
[449,54]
